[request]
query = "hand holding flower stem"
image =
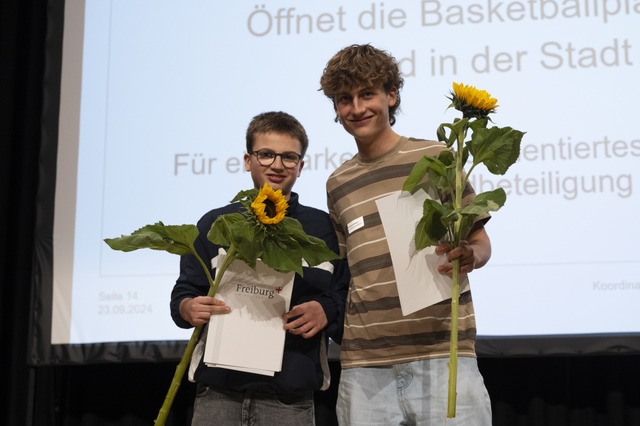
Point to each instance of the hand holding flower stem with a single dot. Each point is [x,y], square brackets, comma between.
[183,365]
[175,239]
[448,220]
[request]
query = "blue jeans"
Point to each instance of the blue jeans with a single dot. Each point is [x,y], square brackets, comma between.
[224,407]
[411,394]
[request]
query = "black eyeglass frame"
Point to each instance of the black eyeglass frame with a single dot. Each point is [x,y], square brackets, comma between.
[266,161]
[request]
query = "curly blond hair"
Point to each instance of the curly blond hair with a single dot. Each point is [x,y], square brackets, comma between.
[362,65]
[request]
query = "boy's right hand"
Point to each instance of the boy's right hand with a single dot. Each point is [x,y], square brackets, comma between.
[198,310]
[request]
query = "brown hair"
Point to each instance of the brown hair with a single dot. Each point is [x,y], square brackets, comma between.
[362,65]
[277,122]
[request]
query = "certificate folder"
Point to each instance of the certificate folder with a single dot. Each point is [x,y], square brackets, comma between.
[250,338]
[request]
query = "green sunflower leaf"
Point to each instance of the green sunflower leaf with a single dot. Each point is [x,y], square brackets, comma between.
[430,229]
[283,255]
[497,148]
[175,239]
[312,249]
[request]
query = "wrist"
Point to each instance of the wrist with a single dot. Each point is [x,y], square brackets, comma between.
[184,308]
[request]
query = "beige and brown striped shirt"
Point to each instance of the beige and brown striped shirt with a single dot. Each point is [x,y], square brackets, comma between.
[376,333]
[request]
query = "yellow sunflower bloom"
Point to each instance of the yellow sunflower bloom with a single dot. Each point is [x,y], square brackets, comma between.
[269,206]
[472,102]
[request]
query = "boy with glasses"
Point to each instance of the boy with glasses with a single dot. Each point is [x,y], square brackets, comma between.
[276,144]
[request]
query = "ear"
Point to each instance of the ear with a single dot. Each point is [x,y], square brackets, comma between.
[247,162]
[393,96]
[301,164]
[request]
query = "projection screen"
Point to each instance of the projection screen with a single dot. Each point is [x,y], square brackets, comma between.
[155,97]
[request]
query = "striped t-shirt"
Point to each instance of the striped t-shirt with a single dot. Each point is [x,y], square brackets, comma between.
[376,332]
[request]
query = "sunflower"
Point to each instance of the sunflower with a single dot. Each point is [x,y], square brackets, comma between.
[269,206]
[472,102]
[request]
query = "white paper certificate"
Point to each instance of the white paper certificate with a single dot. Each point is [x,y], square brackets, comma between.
[417,277]
[249,338]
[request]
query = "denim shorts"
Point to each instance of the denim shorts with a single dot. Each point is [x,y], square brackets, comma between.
[224,407]
[413,393]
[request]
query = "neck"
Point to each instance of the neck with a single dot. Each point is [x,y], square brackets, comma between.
[383,143]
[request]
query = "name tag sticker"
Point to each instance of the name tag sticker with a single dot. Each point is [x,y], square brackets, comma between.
[355,224]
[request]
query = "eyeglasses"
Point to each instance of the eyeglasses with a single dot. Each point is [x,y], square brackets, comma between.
[266,157]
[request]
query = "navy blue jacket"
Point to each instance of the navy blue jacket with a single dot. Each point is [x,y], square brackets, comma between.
[301,368]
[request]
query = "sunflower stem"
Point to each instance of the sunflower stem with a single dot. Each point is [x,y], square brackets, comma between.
[453,347]
[195,336]
[455,289]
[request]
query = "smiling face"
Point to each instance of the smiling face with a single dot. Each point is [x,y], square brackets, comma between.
[364,113]
[276,175]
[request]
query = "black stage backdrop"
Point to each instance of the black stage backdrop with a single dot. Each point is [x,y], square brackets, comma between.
[532,391]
